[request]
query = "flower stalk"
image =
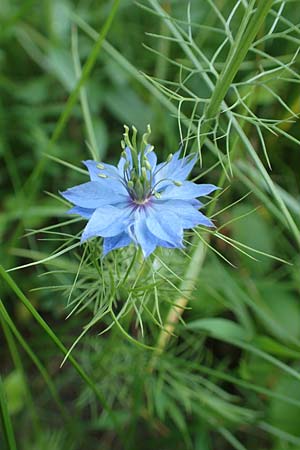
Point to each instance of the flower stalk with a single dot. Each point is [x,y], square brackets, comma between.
[179,306]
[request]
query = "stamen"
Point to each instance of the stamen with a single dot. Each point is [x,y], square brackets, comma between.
[130,184]
[149,148]
[102,175]
[100,166]
[146,135]
[144,173]
[160,181]
[134,133]
[126,175]
[147,165]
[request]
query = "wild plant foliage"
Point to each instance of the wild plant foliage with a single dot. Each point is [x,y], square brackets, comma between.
[184,328]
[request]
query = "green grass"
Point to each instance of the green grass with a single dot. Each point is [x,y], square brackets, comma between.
[192,349]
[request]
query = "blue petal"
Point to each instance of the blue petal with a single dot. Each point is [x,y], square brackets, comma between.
[164,173]
[176,170]
[166,167]
[110,175]
[144,238]
[196,203]
[188,214]
[95,170]
[184,167]
[187,191]
[152,158]
[107,221]
[203,220]
[165,225]
[123,161]
[111,243]
[166,244]
[93,195]
[84,212]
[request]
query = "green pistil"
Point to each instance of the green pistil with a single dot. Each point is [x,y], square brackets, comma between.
[139,186]
[139,190]
[146,135]
[144,173]
[139,178]
[132,145]
[147,164]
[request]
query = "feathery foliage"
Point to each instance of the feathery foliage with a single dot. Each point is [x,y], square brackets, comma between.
[195,347]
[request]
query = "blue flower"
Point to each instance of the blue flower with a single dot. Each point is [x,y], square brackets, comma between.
[139,201]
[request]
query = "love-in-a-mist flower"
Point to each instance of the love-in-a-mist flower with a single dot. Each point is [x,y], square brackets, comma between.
[139,201]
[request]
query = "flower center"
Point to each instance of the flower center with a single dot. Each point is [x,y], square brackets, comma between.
[139,185]
[137,171]
[138,174]
[142,202]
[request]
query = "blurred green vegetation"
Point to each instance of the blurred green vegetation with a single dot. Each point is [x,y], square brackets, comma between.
[230,378]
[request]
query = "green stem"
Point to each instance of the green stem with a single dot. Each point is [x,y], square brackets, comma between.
[245,36]
[248,30]
[177,309]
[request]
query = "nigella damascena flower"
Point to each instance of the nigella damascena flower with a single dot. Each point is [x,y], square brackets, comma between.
[139,201]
